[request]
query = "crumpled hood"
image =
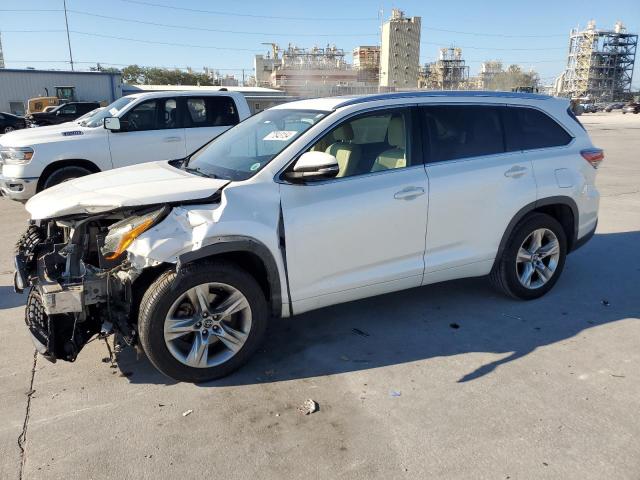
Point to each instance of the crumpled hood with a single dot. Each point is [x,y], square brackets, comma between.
[137,185]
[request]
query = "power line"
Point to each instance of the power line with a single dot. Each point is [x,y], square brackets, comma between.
[171,44]
[93,62]
[227,14]
[497,49]
[93,34]
[33,31]
[188,27]
[31,10]
[499,35]
[426,28]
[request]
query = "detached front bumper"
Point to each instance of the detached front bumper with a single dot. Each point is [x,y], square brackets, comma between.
[19,189]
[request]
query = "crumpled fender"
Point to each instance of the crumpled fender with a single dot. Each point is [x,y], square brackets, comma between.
[249,211]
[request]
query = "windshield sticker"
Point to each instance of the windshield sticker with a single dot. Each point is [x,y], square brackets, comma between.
[281,135]
[113,111]
[254,167]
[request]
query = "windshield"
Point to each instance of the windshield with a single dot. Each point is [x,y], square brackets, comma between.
[88,115]
[108,111]
[242,151]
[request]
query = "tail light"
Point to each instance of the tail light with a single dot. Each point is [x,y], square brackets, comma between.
[593,155]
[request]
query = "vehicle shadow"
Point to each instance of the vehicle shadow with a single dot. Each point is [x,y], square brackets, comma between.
[599,286]
[10,299]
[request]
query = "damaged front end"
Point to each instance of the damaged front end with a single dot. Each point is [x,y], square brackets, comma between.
[79,279]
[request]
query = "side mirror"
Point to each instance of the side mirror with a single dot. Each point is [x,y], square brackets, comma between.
[313,166]
[112,123]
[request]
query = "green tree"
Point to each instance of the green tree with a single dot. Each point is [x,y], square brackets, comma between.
[514,77]
[137,75]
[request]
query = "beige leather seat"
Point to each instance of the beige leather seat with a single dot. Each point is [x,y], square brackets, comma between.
[394,157]
[347,153]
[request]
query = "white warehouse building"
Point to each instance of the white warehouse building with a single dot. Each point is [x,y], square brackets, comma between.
[18,85]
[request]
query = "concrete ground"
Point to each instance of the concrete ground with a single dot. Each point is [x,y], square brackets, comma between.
[544,389]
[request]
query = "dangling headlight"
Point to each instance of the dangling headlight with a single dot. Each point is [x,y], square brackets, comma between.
[124,232]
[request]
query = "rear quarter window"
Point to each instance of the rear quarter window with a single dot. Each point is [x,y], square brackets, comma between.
[530,129]
[462,131]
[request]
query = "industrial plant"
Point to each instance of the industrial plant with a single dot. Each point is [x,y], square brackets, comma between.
[600,63]
[599,66]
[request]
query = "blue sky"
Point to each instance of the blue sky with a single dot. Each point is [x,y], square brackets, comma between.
[533,34]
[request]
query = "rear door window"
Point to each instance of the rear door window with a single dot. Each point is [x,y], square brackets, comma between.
[462,131]
[529,129]
[213,111]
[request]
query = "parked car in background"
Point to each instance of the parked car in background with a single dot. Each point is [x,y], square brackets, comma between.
[141,128]
[307,204]
[631,108]
[10,122]
[589,107]
[62,113]
[614,106]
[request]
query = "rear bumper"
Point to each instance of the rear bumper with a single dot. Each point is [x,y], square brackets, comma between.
[20,189]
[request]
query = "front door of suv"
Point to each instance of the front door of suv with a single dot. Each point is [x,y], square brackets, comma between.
[152,131]
[363,232]
[476,187]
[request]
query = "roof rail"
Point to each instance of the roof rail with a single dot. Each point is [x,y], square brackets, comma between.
[441,93]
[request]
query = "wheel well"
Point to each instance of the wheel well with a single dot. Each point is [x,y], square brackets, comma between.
[52,167]
[564,215]
[248,261]
[252,264]
[563,209]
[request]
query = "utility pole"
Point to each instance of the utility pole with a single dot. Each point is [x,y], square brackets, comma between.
[243,77]
[66,22]
[1,54]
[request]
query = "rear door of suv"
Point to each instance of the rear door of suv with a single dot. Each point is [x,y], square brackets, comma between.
[476,187]
[206,117]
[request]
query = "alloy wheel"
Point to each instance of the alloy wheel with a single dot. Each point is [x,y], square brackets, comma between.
[8,129]
[538,258]
[207,325]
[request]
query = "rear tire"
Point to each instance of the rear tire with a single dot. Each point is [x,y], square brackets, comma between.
[171,325]
[8,129]
[525,271]
[64,174]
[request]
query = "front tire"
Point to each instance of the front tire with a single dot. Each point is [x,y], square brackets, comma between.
[533,259]
[8,129]
[64,174]
[204,323]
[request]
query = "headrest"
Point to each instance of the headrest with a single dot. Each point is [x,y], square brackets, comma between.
[344,133]
[395,132]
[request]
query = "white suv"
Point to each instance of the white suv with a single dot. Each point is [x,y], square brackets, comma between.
[305,205]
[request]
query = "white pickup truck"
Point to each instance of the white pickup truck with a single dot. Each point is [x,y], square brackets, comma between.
[141,128]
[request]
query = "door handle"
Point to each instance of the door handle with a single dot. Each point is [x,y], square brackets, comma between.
[409,193]
[172,139]
[516,172]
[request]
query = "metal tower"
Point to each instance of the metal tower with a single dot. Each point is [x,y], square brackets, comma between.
[600,63]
